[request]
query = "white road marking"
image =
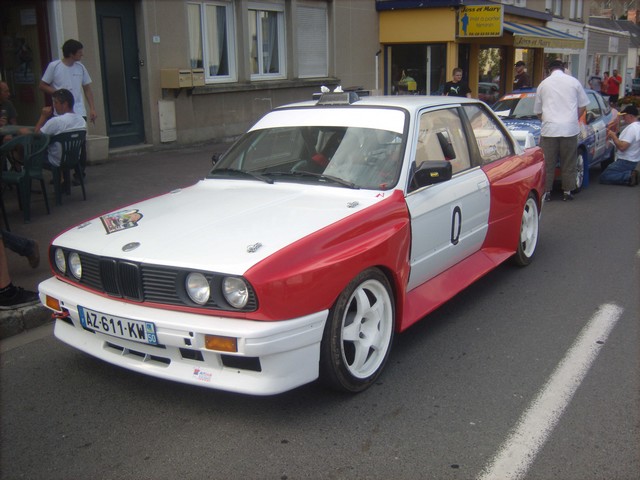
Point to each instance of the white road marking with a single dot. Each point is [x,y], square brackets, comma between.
[521,447]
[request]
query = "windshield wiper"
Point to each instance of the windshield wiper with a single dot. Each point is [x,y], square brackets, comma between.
[319,176]
[235,171]
[527,117]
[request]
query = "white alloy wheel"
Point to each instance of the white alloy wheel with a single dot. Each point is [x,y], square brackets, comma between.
[529,230]
[358,334]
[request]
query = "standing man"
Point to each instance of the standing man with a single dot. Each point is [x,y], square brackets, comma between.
[521,79]
[72,75]
[595,81]
[605,85]
[613,87]
[624,170]
[559,103]
[457,88]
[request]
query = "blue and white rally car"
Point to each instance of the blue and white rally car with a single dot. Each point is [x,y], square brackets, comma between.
[516,111]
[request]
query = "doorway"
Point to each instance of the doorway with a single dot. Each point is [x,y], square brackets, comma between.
[117,38]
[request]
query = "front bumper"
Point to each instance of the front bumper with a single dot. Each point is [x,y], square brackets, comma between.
[272,357]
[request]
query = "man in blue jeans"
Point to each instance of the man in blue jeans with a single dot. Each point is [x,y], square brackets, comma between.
[10,295]
[624,170]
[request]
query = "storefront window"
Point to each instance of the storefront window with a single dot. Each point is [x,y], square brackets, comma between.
[490,78]
[416,69]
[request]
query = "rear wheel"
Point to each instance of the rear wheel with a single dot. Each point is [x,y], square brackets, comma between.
[358,335]
[529,229]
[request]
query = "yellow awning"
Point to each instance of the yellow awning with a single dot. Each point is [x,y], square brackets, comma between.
[532,36]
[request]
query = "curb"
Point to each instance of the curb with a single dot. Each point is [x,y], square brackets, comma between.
[18,320]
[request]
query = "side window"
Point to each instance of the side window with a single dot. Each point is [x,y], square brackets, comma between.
[493,144]
[441,137]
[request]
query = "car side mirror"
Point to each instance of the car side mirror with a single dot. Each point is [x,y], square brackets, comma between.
[429,173]
[590,117]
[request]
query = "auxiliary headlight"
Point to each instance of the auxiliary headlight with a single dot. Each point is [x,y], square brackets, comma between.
[235,291]
[75,266]
[198,288]
[61,261]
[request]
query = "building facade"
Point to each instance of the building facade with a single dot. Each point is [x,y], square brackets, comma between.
[188,71]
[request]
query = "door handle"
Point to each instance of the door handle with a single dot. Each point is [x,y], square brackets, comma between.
[135,78]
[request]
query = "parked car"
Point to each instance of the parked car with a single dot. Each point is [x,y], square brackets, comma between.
[516,111]
[635,86]
[488,92]
[324,230]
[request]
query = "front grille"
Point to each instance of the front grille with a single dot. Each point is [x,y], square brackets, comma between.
[142,282]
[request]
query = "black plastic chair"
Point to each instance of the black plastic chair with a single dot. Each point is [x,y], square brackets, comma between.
[33,152]
[72,144]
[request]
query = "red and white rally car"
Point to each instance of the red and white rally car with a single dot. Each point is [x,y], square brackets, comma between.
[324,230]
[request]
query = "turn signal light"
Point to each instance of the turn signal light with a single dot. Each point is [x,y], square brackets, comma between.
[222,344]
[53,303]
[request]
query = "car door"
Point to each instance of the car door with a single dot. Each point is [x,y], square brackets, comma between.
[449,219]
[596,120]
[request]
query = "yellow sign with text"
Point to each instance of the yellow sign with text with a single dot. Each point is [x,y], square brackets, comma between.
[480,21]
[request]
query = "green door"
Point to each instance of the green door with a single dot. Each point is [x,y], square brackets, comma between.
[120,71]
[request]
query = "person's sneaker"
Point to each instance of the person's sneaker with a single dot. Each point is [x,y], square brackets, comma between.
[546,197]
[34,258]
[18,298]
[567,197]
[633,179]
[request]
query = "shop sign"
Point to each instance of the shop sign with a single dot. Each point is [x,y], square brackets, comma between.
[480,21]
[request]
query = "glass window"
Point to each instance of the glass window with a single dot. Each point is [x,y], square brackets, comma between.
[211,40]
[441,137]
[312,41]
[266,40]
[416,69]
[492,142]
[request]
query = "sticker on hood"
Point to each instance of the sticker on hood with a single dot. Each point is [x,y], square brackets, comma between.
[121,220]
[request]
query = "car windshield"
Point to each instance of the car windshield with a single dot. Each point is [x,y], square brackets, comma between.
[338,156]
[515,107]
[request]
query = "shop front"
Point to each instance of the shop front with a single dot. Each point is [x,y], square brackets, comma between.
[422,45]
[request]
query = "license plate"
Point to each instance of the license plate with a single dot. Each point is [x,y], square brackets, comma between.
[135,330]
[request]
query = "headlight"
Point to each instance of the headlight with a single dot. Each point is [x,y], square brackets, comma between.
[61,262]
[75,266]
[198,288]
[235,291]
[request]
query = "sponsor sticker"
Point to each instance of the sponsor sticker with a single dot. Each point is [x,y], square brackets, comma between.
[121,220]
[202,375]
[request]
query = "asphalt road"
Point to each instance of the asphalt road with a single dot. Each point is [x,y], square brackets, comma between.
[506,366]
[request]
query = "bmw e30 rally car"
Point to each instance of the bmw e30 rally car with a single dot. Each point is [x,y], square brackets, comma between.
[327,228]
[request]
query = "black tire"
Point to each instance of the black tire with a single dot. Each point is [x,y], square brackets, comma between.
[529,231]
[358,335]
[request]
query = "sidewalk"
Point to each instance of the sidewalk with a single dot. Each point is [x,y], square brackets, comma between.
[126,178]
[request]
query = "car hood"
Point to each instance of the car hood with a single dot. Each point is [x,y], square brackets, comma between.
[219,225]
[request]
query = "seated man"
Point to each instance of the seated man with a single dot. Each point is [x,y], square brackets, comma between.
[64,121]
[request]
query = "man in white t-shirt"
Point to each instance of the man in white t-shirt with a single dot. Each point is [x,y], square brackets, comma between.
[72,75]
[65,121]
[560,101]
[624,171]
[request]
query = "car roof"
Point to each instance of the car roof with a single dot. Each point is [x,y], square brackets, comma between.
[411,103]
[533,90]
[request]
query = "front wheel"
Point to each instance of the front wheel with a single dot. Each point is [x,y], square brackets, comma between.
[359,332]
[529,230]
